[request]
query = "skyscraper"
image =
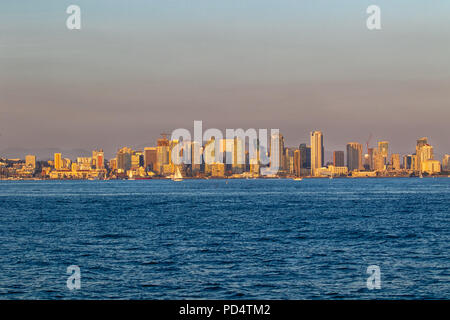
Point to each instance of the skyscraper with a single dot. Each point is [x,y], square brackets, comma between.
[277,155]
[150,158]
[58,161]
[338,159]
[162,154]
[297,163]
[317,152]
[98,159]
[424,152]
[354,156]
[124,159]
[383,148]
[446,162]
[395,161]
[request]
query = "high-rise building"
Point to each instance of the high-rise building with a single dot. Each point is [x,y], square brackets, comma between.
[338,159]
[430,166]
[423,152]
[150,158]
[58,163]
[317,152]
[446,162]
[30,161]
[162,154]
[98,159]
[395,161]
[305,156]
[277,156]
[409,162]
[354,156]
[137,160]
[369,159]
[254,158]
[297,163]
[383,148]
[124,159]
[379,161]
[238,152]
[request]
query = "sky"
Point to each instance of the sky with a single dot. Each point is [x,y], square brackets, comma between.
[139,68]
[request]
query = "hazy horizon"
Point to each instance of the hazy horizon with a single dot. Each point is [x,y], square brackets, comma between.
[137,69]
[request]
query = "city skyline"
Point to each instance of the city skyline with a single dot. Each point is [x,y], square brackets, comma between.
[238,155]
[47,153]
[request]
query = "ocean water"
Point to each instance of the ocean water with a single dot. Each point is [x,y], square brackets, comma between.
[209,239]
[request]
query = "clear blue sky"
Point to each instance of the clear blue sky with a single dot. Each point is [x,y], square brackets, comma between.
[138,68]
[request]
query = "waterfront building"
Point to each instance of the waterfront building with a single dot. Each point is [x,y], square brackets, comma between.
[58,163]
[305,159]
[162,154]
[431,166]
[98,159]
[333,171]
[379,161]
[423,152]
[338,159]
[218,169]
[124,159]
[395,161]
[30,161]
[150,158]
[383,148]
[446,162]
[137,160]
[368,159]
[354,156]
[317,152]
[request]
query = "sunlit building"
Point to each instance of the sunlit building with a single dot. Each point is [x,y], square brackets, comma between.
[317,152]
[98,159]
[58,163]
[423,152]
[124,159]
[30,161]
[150,158]
[162,154]
[395,161]
[431,166]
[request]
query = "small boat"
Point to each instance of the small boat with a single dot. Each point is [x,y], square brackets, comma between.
[177,176]
[297,179]
[421,176]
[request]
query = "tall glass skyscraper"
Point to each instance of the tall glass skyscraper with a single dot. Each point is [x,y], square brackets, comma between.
[317,152]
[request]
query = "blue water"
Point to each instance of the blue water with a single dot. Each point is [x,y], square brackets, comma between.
[209,239]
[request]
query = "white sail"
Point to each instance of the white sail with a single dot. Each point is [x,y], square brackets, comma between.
[177,176]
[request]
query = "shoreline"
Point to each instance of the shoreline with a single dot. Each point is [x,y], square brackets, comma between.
[222,178]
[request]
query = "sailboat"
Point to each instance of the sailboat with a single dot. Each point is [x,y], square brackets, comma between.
[177,176]
[421,175]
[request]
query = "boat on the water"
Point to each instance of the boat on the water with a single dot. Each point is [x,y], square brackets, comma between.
[177,176]
[297,179]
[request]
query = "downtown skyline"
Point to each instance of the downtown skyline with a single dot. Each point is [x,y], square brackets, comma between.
[234,158]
